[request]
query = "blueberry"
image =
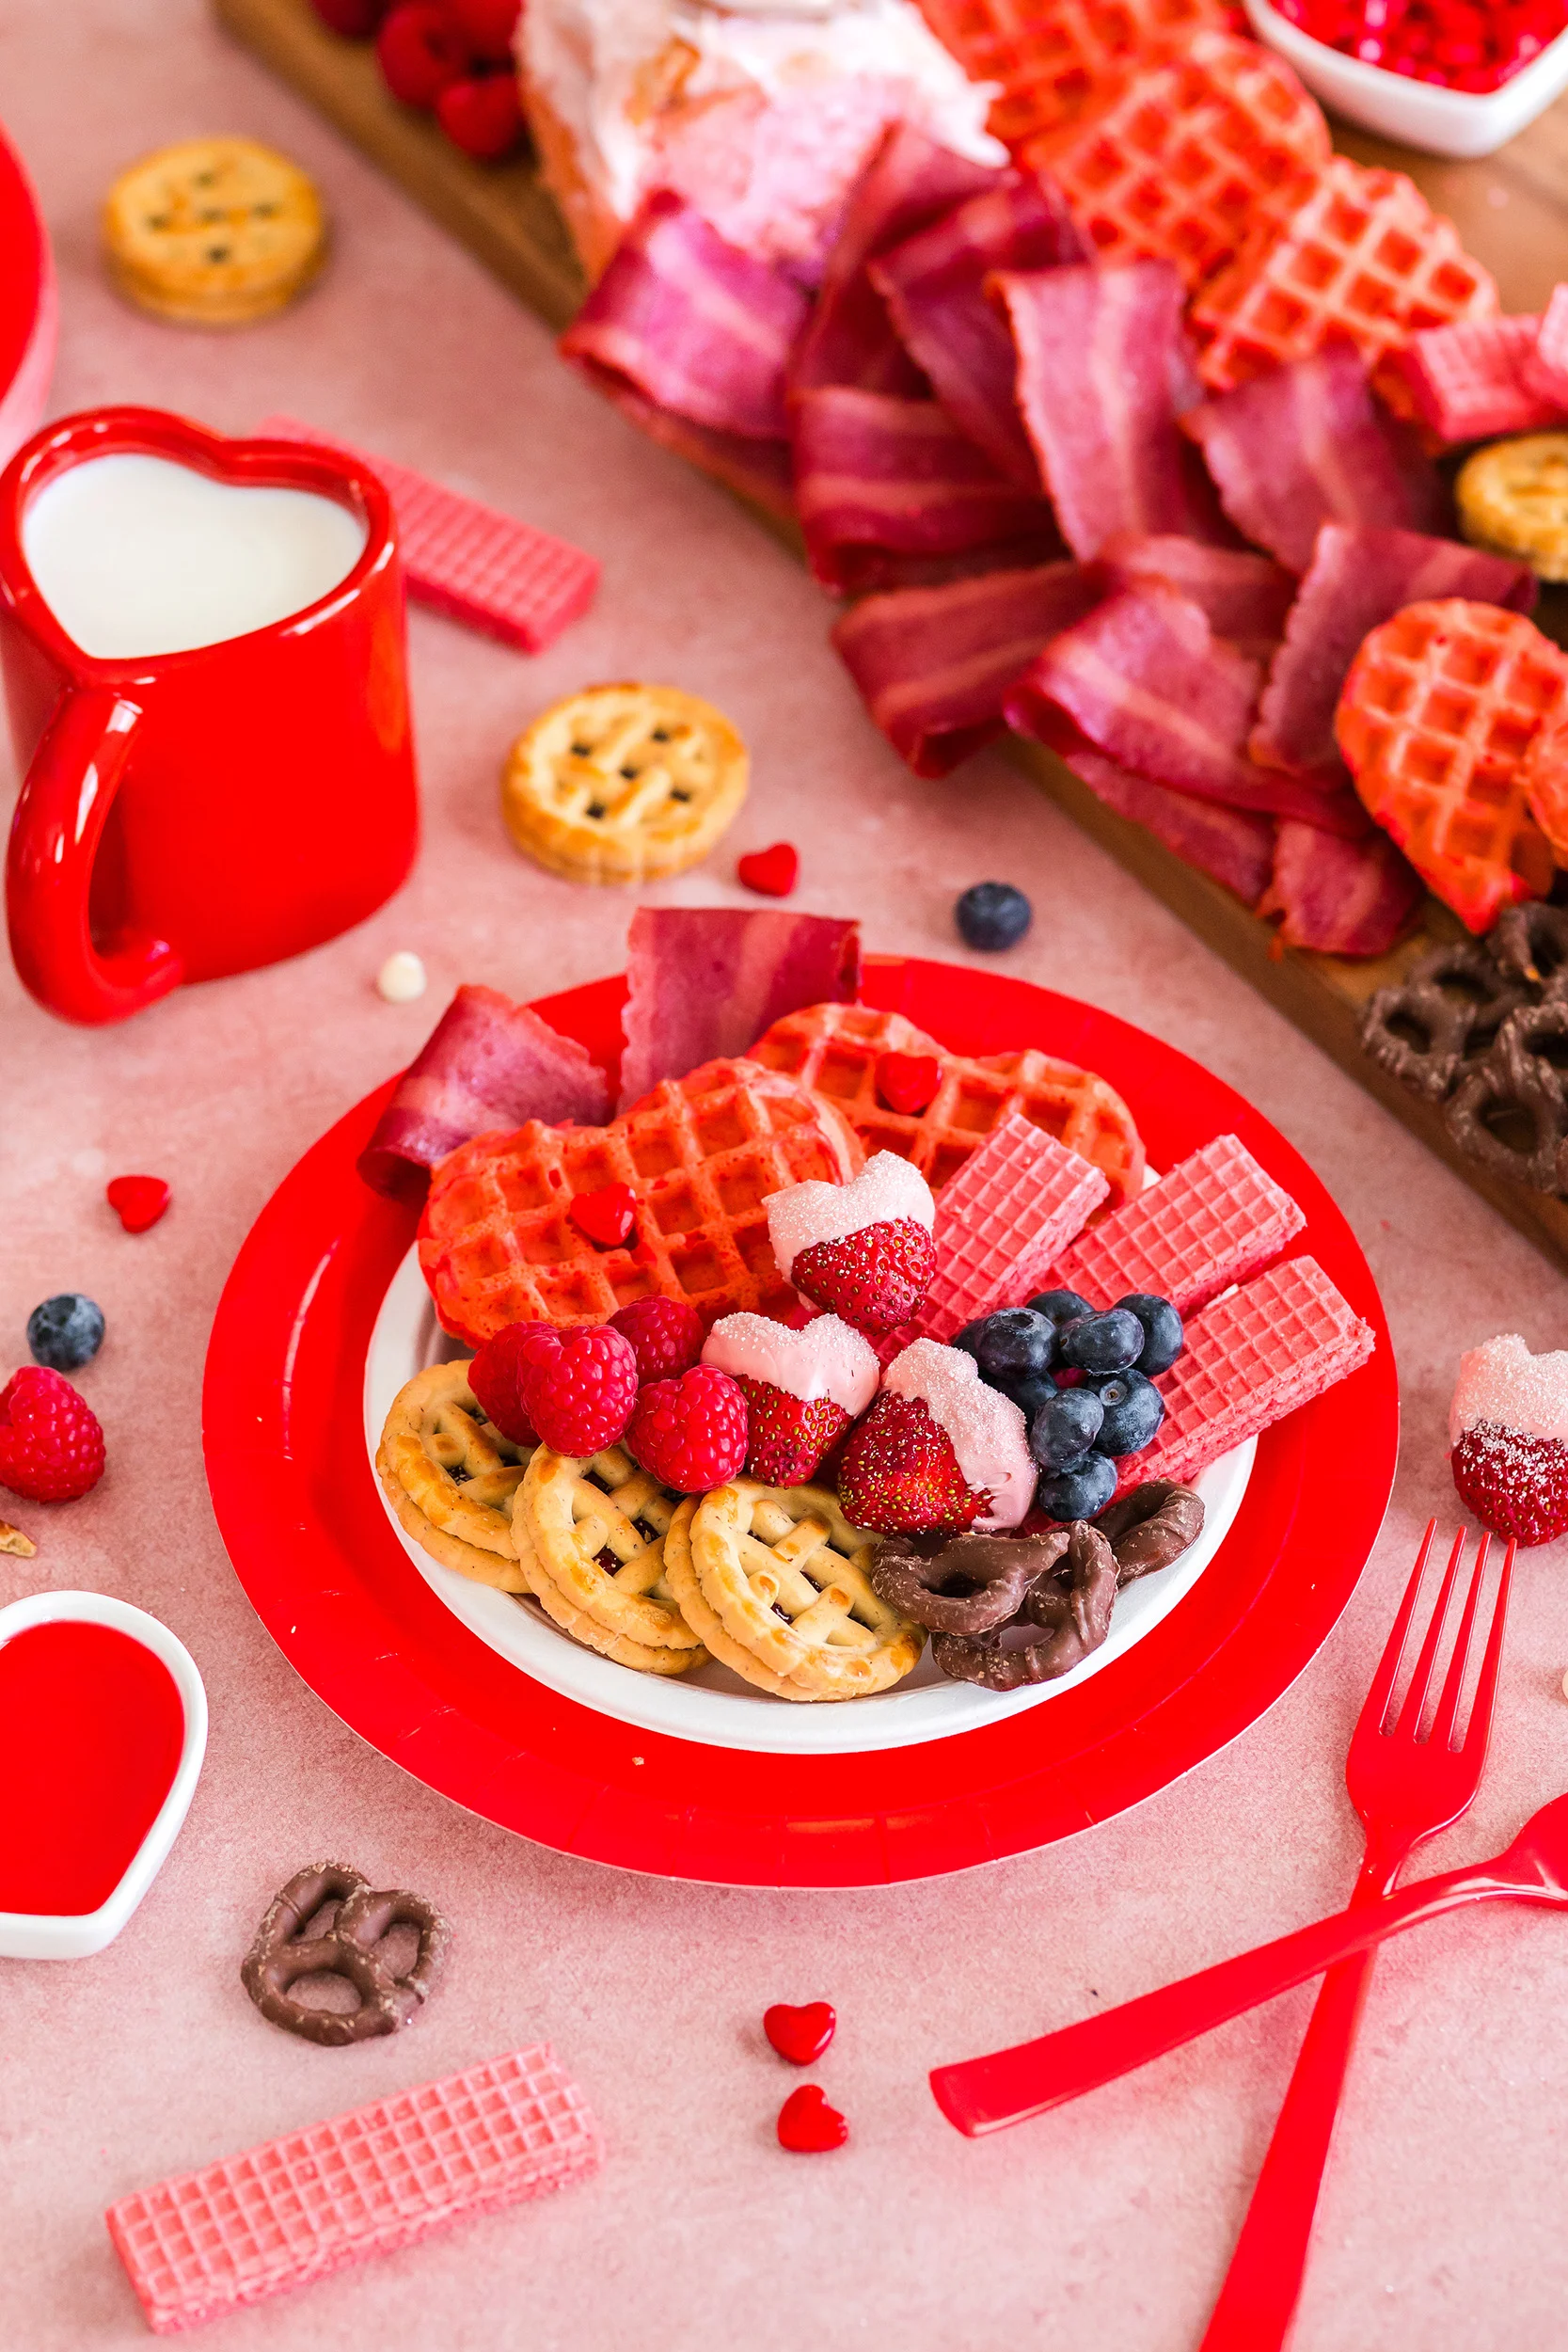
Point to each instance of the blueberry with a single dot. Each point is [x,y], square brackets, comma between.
[1014,1344]
[1030,1393]
[1078,1493]
[1066,1426]
[1164,1338]
[1109,1343]
[992,916]
[66,1331]
[1059,1306]
[968,1339]
[1134,1409]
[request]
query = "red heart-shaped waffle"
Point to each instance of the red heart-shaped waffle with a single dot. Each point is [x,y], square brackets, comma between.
[808,2126]
[138,1201]
[772,873]
[801,2035]
[497,1243]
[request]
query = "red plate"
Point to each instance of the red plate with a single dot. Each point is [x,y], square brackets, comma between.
[28,309]
[303,1520]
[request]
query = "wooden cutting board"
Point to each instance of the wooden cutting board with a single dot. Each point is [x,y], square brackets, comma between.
[1512,209]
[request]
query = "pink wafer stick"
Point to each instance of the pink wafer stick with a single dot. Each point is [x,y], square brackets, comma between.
[1475,378]
[1251,1358]
[468,560]
[1545,368]
[1213,1221]
[1003,1218]
[364,2183]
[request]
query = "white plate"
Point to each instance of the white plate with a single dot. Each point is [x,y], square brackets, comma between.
[713,1706]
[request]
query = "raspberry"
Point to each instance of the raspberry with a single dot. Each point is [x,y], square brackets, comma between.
[496,1379]
[900,1474]
[487,25]
[690,1433]
[787,1435]
[484,118]
[577,1386]
[421,53]
[51,1445]
[666,1336]
[873,1278]
[1517,1485]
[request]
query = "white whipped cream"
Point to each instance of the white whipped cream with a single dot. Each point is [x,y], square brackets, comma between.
[827,1358]
[987,1430]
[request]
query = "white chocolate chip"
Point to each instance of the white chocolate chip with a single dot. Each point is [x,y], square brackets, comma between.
[402,977]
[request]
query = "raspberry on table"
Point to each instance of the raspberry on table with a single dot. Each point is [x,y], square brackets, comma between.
[666,1336]
[690,1433]
[51,1445]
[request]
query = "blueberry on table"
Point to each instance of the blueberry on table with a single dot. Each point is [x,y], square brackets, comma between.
[1133,1409]
[1059,1307]
[1112,1341]
[1078,1493]
[1065,1428]
[1163,1338]
[66,1331]
[992,916]
[1013,1344]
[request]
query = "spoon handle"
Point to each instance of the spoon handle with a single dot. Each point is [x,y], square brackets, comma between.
[983,2094]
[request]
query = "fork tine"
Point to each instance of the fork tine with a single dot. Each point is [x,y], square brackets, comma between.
[1409,1720]
[1447,1705]
[1377,1705]
[1479,1724]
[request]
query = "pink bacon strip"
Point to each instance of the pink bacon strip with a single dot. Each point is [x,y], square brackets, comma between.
[470,561]
[1252,1356]
[1017,1202]
[281,2216]
[1213,1221]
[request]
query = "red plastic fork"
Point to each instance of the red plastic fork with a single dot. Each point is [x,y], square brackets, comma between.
[1421,1787]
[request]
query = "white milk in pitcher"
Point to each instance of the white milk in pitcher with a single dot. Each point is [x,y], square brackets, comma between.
[137,555]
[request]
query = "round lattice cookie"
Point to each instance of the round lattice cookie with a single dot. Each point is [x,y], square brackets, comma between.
[623,783]
[775,1579]
[450,1477]
[214,231]
[1513,496]
[595,1533]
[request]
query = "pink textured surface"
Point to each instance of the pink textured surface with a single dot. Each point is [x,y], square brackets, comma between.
[1103,2227]
[1251,1358]
[1477,377]
[1013,1205]
[1546,365]
[1212,1222]
[369,2182]
[462,558]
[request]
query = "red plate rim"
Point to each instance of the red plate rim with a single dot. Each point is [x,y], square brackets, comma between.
[303,1525]
[26,303]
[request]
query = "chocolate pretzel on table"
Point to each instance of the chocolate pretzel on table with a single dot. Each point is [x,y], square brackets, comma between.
[347,1947]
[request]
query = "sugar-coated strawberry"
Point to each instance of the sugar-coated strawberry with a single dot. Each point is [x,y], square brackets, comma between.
[496,1379]
[787,1435]
[576,1386]
[1515,1484]
[873,1278]
[51,1445]
[483,116]
[690,1433]
[421,53]
[900,1475]
[665,1333]
[487,25]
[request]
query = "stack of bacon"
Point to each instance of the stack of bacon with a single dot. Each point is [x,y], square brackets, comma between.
[1109,453]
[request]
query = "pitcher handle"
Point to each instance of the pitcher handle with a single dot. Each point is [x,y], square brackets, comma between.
[65,800]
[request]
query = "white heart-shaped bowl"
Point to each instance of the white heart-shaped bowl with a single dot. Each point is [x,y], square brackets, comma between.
[1459,122]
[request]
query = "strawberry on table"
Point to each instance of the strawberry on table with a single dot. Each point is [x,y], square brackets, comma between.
[1507,1426]
[802,1389]
[863,1250]
[938,1451]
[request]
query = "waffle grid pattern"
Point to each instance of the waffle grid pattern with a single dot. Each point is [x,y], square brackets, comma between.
[1350,253]
[700,1154]
[1252,1356]
[1185,161]
[1060,64]
[1003,1219]
[1466,381]
[1440,707]
[1215,1219]
[383,2177]
[470,561]
[834,1049]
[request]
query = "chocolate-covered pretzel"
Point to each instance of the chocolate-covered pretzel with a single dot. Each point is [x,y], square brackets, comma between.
[1509,1114]
[1151,1526]
[1437,1023]
[1065,1616]
[962,1583]
[279,1955]
[1531,944]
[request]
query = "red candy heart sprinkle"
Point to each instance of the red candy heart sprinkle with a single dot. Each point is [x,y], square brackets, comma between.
[808,2126]
[907,1082]
[773,872]
[801,2035]
[606,1216]
[138,1201]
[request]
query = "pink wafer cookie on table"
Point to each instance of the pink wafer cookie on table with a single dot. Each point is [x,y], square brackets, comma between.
[201,2244]
[1002,1220]
[1213,1221]
[1474,378]
[470,562]
[1251,1358]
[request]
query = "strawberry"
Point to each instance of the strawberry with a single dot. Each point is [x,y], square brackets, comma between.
[51,1445]
[666,1336]
[1515,1484]
[874,1277]
[691,1432]
[576,1386]
[900,1474]
[421,53]
[771,873]
[787,1435]
[482,116]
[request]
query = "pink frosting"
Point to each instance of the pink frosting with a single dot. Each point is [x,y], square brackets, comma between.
[1502,1382]
[987,1430]
[886,1187]
[827,1358]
